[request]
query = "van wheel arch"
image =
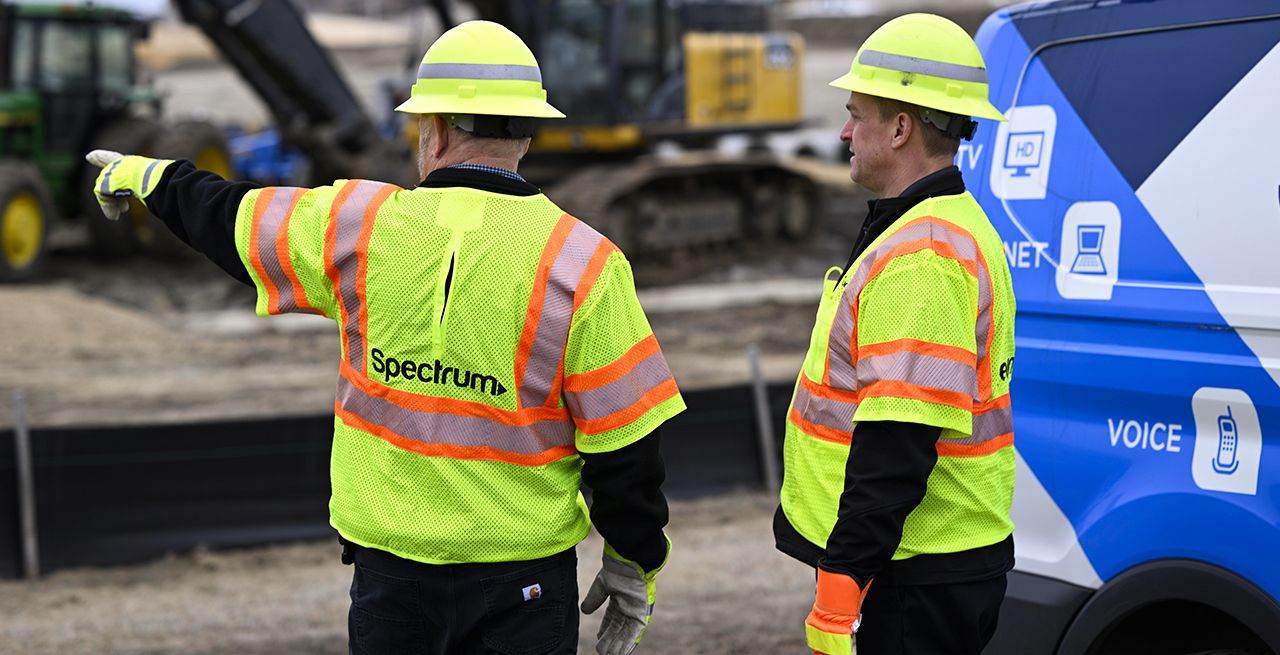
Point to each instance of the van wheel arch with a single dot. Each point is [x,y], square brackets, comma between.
[1125,605]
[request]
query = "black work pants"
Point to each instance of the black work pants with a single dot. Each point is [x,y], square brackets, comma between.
[508,608]
[939,619]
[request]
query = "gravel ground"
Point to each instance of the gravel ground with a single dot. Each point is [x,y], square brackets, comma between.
[726,590]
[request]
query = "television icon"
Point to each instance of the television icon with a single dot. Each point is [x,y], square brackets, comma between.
[1022,152]
[1088,259]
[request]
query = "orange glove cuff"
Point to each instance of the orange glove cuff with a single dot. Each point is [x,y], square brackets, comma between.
[838,596]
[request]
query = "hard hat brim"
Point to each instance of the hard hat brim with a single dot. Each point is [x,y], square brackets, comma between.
[508,106]
[973,107]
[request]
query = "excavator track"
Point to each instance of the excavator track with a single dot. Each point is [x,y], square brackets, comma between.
[657,207]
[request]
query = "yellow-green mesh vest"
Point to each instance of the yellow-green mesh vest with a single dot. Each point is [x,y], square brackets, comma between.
[878,352]
[459,414]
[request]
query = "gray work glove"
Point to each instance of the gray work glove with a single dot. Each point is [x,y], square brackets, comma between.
[632,592]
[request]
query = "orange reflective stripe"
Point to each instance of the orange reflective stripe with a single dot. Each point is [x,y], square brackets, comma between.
[824,391]
[899,389]
[346,248]
[543,362]
[648,401]
[450,450]
[260,205]
[432,425]
[362,261]
[615,370]
[424,403]
[941,236]
[298,301]
[918,347]
[555,243]
[589,276]
[948,449]
[986,327]
[622,393]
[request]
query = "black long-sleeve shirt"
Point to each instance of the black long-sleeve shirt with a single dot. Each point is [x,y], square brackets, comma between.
[628,506]
[888,468]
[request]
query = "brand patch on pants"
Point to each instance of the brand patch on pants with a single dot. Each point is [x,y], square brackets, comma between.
[532,592]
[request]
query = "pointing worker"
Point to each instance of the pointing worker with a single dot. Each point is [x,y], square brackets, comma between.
[899,460]
[494,356]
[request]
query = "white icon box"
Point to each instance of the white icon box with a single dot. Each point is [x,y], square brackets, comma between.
[1023,151]
[1089,252]
[1228,450]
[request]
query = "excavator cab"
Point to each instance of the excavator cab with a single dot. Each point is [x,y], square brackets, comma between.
[631,72]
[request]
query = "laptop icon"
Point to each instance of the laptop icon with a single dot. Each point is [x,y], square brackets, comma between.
[1088,259]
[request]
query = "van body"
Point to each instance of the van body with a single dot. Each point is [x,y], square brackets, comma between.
[1136,186]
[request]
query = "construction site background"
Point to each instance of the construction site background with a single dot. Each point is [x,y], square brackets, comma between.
[96,342]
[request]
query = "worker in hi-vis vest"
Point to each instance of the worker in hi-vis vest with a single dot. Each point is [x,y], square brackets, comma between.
[494,356]
[899,457]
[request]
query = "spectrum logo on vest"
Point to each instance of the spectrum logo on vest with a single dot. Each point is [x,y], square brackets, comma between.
[434,373]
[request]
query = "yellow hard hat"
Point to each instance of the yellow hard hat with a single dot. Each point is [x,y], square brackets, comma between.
[479,68]
[925,60]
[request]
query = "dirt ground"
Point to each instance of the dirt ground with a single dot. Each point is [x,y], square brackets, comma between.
[726,590]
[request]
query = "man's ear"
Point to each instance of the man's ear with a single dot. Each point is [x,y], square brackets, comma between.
[439,135]
[903,126]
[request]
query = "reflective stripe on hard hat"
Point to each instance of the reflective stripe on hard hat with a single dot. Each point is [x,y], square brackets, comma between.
[920,66]
[511,72]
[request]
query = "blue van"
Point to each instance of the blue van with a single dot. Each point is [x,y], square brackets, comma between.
[1136,187]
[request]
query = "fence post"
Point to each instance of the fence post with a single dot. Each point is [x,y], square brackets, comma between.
[26,488]
[764,421]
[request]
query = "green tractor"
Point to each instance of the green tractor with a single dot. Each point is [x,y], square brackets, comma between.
[68,85]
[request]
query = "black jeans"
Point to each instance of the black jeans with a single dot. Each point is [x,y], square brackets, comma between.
[941,619]
[507,608]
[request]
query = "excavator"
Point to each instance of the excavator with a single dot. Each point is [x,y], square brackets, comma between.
[634,77]
[638,78]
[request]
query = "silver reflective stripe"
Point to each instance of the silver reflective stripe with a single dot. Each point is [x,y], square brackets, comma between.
[827,412]
[988,425]
[442,428]
[146,176]
[349,219]
[920,370]
[620,394]
[271,230]
[922,66]
[509,72]
[105,189]
[841,361]
[552,332]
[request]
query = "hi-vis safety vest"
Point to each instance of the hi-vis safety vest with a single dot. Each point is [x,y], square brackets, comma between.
[486,340]
[919,330]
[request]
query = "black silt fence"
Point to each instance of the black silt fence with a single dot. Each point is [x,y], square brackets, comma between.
[128,494]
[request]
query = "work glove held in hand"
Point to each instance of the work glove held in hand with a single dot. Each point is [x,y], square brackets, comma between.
[123,177]
[836,613]
[631,593]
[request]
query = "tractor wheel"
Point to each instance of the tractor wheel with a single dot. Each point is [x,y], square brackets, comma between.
[204,145]
[130,234]
[25,212]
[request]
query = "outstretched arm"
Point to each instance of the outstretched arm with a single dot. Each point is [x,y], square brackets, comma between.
[198,206]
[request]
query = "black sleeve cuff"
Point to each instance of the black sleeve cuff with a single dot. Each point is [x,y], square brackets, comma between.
[628,507]
[200,208]
[886,476]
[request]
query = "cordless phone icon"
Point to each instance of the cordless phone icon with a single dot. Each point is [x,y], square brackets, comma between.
[1226,461]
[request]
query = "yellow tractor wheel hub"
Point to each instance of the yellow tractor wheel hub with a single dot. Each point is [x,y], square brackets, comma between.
[22,230]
